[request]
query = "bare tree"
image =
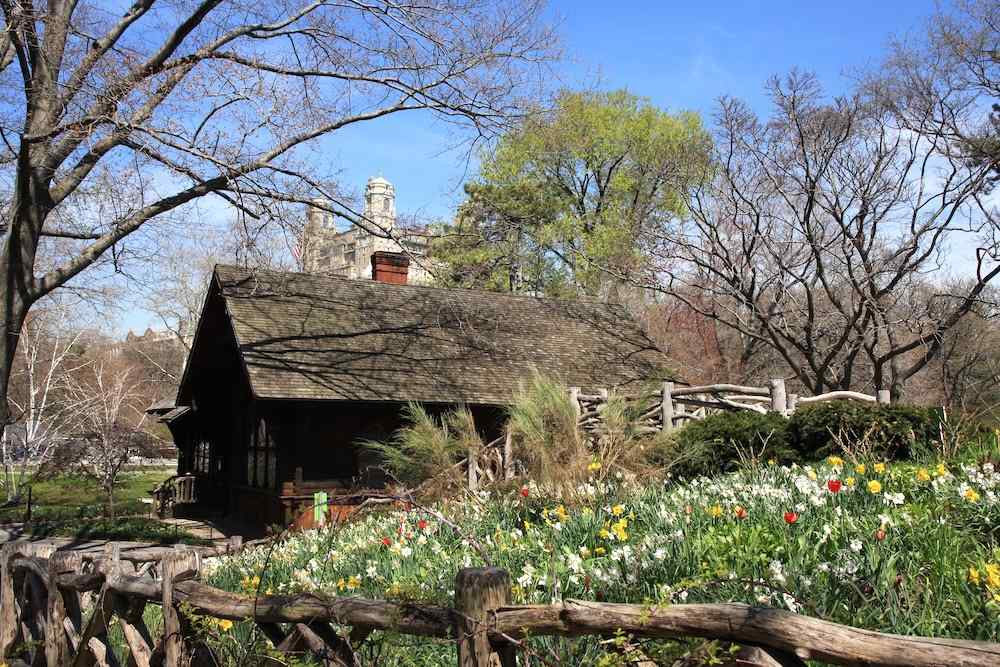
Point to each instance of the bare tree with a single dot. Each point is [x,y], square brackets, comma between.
[112,121]
[816,230]
[107,422]
[42,410]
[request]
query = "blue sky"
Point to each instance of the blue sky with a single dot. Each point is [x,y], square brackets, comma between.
[681,55]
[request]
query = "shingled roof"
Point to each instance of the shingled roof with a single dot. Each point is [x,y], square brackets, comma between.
[312,337]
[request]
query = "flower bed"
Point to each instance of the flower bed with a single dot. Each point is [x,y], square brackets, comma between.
[893,547]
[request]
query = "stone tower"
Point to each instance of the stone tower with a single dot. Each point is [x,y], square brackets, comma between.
[380,202]
[348,253]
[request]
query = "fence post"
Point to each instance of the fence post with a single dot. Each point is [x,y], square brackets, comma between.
[667,406]
[778,404]
[884,396]
[479,591]
[574,396]
[473,469]
[173,567]
[508,455]
[793,403]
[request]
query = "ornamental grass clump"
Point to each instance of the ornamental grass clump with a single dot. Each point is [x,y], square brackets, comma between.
[428,446]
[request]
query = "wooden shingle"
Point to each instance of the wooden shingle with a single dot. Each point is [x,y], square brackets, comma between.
[310,337]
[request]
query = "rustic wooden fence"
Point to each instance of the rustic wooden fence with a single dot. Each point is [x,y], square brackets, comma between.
[667,408]
[672,405]
[56,609]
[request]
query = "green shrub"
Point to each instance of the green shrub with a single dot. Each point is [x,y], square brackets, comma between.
[723,440]
[877,431]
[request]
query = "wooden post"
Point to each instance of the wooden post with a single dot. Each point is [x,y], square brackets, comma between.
[884,396]
[234,543]
[479,591]
[473,469]
[508,455]
[667,406]
[9,622]
[574,396]
[63,609]
[778,403]
[793,403]
[182,564]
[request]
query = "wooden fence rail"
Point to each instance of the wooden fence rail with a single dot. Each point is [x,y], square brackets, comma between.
[56,609]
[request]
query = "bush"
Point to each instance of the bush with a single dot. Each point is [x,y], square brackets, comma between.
[723,440]
[865,429]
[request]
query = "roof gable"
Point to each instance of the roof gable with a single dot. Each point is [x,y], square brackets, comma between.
[313,337]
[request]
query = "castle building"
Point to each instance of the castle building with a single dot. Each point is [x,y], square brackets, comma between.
[348,253]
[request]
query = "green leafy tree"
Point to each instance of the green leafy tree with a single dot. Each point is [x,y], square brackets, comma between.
[566,202]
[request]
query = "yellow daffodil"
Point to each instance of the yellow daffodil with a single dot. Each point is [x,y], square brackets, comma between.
[715,511]
[594,466]
[860,468]
[974,577]
[970,495]
[225,625]
[771,462]
[850,481]
[941,470]
[600,551]
[353,582]
[874,486]
[992,575]
[603,533]
[835,461]
[811,474]
[922,475]
[618,528]
[880,468]
[618,510]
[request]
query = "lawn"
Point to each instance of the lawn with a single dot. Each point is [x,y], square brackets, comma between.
[899,547]
[72,496]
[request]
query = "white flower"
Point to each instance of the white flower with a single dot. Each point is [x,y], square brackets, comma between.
[856,545]
[660,554]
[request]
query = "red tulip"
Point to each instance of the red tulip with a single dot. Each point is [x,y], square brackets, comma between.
[524,491]
[834,485]
[741,512]
[386,541]
[791,517]
[879,535]
[422,524]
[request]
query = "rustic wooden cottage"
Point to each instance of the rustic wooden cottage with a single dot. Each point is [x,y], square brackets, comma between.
[289,373]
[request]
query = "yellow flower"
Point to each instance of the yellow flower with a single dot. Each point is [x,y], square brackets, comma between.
[860,468]
[600,551]
[835,461]
[225,625]
[561,514]
[603,533]
[771,462]
[715,511]
[353,582]
[618,510]
[811,474]
[341,584]
[971,495]
[941,470]
[923,475]
[849,481]
[880,468]
[618,528]
[992,575]
[594,466]
[874,486]
[974,576]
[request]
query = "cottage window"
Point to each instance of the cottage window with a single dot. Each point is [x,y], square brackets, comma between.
[261,459]
[203,457]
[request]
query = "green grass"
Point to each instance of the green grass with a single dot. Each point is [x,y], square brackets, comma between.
[72,496]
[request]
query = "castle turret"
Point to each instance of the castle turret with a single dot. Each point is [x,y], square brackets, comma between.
[380,203]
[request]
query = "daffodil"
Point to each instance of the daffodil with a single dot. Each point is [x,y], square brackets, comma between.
[835,461]
[860,468]
[594,466]
[874,486]
[880,468]
[225,625]
[974,576]
[922,475]
[618,510]
[715,511]
[850,482]
[970,494]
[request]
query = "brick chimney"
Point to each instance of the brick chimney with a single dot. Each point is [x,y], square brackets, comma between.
[390,267]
